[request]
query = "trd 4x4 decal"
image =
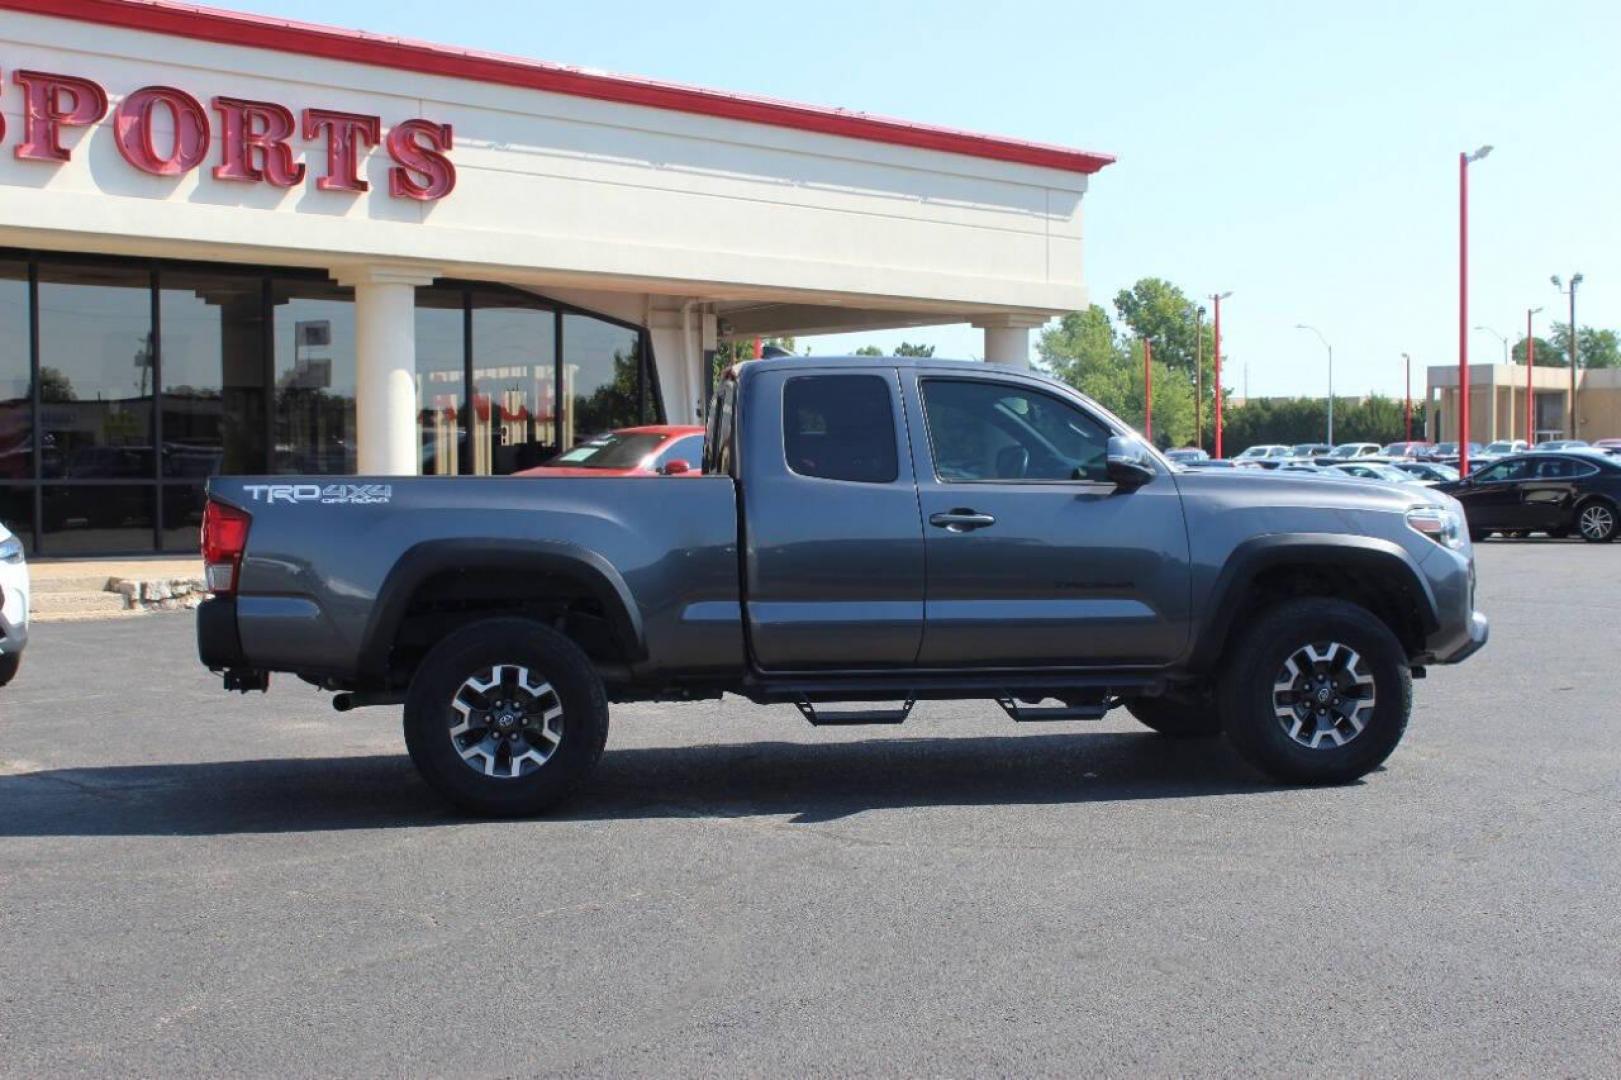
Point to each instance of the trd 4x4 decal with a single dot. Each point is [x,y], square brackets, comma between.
[325,494]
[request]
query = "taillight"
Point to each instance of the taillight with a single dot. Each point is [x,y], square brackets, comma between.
[225,538]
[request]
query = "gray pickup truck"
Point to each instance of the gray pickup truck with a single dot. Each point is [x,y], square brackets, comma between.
[866,531]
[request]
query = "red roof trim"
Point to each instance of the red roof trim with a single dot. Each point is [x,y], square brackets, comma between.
[304,39]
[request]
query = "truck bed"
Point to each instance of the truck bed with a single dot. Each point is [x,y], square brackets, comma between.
[330,561]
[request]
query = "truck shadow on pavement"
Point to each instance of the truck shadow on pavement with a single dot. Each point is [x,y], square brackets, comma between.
[805,782]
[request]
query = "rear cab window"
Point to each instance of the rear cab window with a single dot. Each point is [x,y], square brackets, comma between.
[840,427]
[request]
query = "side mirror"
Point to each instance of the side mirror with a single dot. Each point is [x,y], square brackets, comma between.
[676,467]
[1129,466]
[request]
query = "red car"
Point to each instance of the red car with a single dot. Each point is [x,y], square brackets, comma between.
[655,450]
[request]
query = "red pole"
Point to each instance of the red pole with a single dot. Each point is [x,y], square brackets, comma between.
[1530,398]
[1463,314]
[759,348]
[1148,389]
[1217,379]
[1407,411]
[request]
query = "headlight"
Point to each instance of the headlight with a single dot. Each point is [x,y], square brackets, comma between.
[1443,525]
[11,550]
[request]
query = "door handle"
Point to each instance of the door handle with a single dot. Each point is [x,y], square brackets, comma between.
[961,520]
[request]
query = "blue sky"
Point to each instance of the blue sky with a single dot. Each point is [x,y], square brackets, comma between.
[1303,155]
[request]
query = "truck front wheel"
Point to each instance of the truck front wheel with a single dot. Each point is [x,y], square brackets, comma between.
[1317,692]
[506,717]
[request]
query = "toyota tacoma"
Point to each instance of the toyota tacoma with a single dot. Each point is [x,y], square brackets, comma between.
[866,531]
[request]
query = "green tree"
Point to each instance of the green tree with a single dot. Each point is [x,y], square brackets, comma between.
[54,386]
[906,348]
[1594,348]
[1155,309]
[869,350]
[1547,353]
[1084,350]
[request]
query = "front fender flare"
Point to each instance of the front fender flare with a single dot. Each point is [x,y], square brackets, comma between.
[1258,554]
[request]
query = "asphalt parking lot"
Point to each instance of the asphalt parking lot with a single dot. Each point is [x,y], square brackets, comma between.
[195,883]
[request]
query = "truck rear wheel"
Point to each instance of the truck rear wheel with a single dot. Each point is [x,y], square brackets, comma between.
[1180,716]
[506,717]
[1317,692]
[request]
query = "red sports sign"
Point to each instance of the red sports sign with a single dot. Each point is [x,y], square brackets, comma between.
[257,141]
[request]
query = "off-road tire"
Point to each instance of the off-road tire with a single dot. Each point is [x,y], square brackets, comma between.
[1245,692]
[429,716]
[1179,716]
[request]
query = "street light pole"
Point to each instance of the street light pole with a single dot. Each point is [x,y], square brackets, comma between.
[1148,389]
[1330,348]
[1198,377]
[1530,363]
[1500,337]
[1407,409]
[1575,280]
[1464,161]
[1217,298]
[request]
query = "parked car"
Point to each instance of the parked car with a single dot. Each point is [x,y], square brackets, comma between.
[1349,452]
[654,450]
[1559,444]
[1447,453]
[1496,451]
[1374,470]
[1308,450]
[1266,456]
[1405,451]
[1607,445]
[1427,470]
[1061,558]
[1187,455]
[13,605]
[1555,492]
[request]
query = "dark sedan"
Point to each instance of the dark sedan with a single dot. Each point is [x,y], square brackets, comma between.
[1555,493]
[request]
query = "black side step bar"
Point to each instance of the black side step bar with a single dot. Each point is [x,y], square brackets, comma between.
[855,716]
[1026,714]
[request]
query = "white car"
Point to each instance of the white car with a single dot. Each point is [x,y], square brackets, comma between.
[13,605]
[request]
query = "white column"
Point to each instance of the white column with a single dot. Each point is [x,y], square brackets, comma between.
[385,366]
[1007,338]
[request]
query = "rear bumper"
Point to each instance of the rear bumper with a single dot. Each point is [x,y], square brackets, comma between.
[219,645]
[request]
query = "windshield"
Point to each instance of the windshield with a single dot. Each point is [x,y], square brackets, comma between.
[1499,447]
[1345,450]
[614,451]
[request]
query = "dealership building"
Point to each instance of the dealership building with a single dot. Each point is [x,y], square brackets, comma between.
[232,244]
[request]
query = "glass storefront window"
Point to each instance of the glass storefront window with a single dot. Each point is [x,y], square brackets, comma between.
[514,412]
[211,329]
[314,416]
[95,370]
[155,375]
[84,519]
[602,377]
[16,406]
[441,380]
[17,512]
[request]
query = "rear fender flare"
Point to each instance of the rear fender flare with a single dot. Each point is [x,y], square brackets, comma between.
[420,563]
